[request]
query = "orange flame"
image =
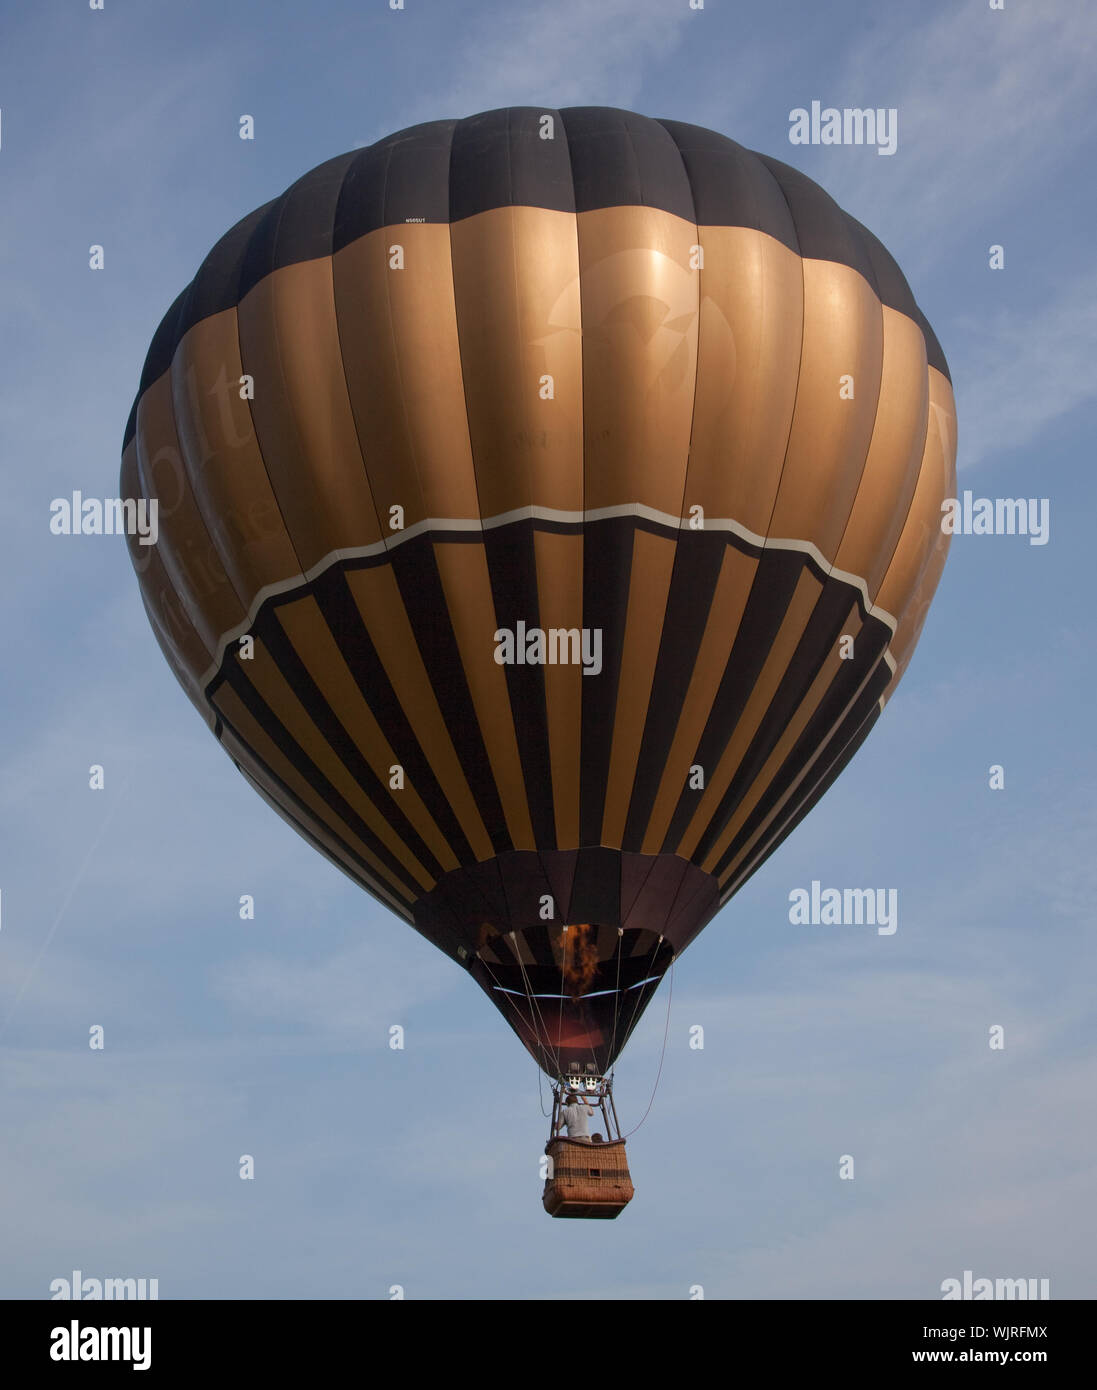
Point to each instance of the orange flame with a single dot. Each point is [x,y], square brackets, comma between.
[579,962]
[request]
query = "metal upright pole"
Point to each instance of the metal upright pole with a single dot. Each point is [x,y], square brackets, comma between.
[613,1107]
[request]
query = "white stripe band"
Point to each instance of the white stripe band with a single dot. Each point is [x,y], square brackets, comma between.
[471,524]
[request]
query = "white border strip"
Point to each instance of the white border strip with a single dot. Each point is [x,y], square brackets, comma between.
[633,509]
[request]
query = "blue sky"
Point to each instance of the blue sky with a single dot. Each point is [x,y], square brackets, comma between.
[419,1168]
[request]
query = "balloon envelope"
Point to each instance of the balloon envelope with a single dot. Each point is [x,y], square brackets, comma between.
[548,503]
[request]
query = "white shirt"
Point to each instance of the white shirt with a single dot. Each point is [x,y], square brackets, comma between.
[575,1117]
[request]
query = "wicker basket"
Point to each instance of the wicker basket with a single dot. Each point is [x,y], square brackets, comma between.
[588,1180]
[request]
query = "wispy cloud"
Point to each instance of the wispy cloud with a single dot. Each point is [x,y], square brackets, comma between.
[355,994]
[989,103]
[992,105]
[1022,371]
[569,53]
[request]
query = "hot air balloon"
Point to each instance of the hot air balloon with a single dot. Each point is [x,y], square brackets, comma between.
[548,502]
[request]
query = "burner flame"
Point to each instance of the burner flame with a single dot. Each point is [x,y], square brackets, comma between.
[579,958]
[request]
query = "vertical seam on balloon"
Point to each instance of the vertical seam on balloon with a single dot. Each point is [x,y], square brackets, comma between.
[636,169]
[765,545]
[579,558]
[685,491]
[582,539]
[481,810]
[389,539]
[831,565]
[581,445]
[918,579]
[799,368]
[339,335]
[272,280]
[400,753]
[697,354]
[584,779]
[723,814]
[146,491]
[457,326]
[387,535]
[538,673]
[855,231]
[199,512]
[684,878]
[201,517]
[237,275]
[199,683]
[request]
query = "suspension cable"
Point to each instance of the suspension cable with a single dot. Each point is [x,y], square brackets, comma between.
[535,1008]
[617,991]
[506,993]
[662,1055]
[563,972]
[540,1091]
[640,991]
